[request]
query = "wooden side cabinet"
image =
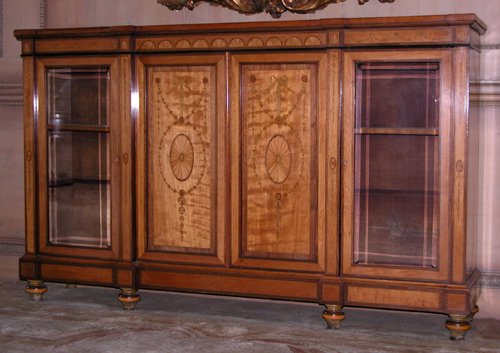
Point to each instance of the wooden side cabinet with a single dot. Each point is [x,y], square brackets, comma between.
[330,161]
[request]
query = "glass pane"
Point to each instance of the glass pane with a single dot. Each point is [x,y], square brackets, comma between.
[79,188]
[397,95]
[78,96]
[397,164]
[396,200]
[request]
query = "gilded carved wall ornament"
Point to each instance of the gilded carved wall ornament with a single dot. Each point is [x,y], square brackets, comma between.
[274,7]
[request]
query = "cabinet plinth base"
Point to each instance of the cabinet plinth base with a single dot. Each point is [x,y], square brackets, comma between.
[128,297]
[333,315]
[35,289]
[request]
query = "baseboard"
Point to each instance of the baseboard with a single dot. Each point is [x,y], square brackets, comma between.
[11,246]
[490,280]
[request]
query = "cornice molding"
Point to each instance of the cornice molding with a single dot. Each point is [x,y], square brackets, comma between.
[485,93]
[11,93]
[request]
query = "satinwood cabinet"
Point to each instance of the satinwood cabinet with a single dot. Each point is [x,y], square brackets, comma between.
[332,161]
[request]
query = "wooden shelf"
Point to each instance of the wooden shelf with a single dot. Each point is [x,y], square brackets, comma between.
[396,131]
[78,127]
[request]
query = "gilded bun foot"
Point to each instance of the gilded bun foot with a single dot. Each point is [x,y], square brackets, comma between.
[333,315]
[35,289]
[458,325]
[128,297]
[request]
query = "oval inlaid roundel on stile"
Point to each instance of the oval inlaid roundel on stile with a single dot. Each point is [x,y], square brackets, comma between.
[278,159]
[181,157]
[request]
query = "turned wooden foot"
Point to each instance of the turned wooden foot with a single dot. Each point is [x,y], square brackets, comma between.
[70,285]
[333,315]
[128,297]
[35,289]
[458,325]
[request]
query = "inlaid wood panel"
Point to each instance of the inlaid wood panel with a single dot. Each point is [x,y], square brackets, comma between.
[234,41]
[399,36]
[429,299]
[78,45]
[241,284]
[279,113]
[181,182]
[69,273]
[179,156]
[277,145]
[30,154]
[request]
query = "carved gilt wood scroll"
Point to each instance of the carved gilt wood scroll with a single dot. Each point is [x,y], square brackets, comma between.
[274,7]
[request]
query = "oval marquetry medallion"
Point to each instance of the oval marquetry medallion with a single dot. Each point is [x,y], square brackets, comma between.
[181,157]
[278,159]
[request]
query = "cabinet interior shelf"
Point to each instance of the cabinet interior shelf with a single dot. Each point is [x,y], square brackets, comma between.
[77,127]
[396,131]
[396,192]
[71,182]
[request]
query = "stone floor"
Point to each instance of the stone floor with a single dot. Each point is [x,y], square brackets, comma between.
[89,319]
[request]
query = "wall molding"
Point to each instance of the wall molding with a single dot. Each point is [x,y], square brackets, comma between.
[490,280]
[1,28]
[493,46]
[43,14]
[482,93]
[485,93]
[11,93]
[12,246]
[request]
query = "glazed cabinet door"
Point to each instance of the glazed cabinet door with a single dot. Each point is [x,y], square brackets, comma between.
[83,157]
[279,126]
[396,164]
[181,159]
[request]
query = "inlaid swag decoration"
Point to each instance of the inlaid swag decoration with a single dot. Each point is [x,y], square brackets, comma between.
[274,7]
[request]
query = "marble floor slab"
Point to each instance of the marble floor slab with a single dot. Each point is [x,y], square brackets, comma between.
[89,319]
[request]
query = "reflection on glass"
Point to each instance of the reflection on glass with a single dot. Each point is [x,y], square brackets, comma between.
[78,96]
[396,164]
[79,158]
[397,95]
